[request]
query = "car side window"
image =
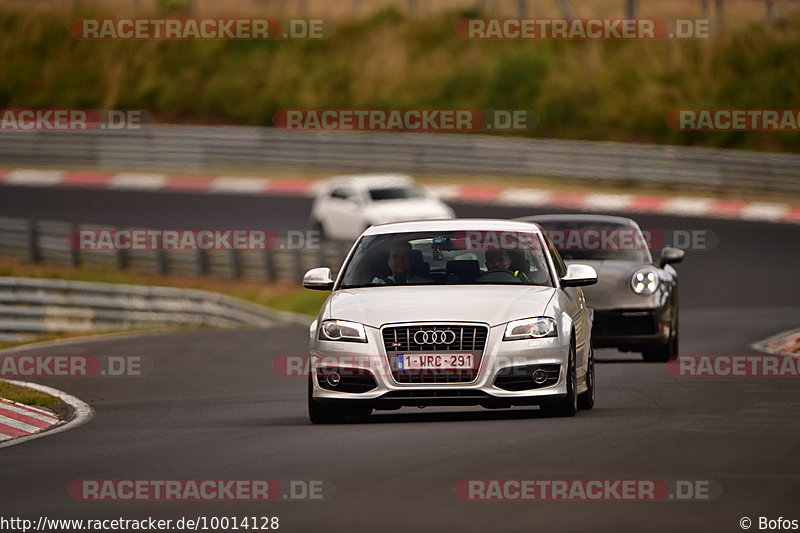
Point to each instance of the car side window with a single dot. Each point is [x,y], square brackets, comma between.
[561,268]
[342,193]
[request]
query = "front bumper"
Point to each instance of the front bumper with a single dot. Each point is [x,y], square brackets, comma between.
[366,378]
[629,328]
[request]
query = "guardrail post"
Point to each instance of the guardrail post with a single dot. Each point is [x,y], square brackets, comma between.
[719,13]
[770,15]
[522,8]
[122,260]
[74,246]
[269,266]
[161,262]
[202,262]
[33,242]
[236,268]
[630,9]
[298,265]
[321,252]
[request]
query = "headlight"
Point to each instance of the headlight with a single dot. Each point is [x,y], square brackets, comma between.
[645,281]
[531,328]
[341,330]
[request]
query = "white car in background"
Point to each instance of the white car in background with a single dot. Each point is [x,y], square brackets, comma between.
[345,206]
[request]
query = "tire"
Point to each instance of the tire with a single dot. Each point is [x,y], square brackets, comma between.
[316,225]
[586,399]
[320,413]
[568,406]
[661,353]
[323,414]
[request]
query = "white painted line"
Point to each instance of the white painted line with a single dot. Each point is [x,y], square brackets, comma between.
[38,415]
[233,184]
[524,197]
[609,201]
[83,413]
[685,205]
[22,426]
[5,437]
[764,211]
[34,178]
[127,180]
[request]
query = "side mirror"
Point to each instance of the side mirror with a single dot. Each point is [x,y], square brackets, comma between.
[318,279]
[671,255]
[579,276]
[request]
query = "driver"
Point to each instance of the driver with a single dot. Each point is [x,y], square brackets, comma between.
[499,260]
[401,263]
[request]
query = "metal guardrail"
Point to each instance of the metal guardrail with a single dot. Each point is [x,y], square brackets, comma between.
[48,241]
[228,147]
[30,305]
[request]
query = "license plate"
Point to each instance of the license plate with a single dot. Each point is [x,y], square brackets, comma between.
[434,361]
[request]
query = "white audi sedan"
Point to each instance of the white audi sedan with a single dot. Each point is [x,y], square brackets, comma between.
[346,205]
[451,313]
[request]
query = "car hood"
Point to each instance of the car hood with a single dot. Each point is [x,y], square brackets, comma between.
[613,282]
[491,304]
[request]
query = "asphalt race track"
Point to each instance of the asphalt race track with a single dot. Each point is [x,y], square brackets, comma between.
[211,406]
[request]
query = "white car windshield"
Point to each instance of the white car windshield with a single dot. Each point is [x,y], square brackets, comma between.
[451,258]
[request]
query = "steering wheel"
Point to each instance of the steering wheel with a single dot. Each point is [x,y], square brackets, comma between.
[499,274]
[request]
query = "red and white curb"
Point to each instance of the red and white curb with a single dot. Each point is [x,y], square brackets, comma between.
[32,423]
[19,420]
[488,194]
[785,343]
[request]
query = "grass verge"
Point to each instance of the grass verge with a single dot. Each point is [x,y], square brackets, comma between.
[25,395]
[594,90]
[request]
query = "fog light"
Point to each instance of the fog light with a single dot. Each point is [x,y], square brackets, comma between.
[539,376]
[333,379]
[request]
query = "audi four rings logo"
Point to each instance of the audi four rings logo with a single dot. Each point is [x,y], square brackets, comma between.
[435,336]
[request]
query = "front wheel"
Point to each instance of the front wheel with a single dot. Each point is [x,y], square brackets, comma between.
[586,399]
[320,413]
[568,406]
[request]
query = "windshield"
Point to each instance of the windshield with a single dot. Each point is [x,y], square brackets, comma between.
[451,258]
[598,241]
[394,193]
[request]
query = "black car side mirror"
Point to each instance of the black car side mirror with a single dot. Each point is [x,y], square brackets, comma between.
[671,255]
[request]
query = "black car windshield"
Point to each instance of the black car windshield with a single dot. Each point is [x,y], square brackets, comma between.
[448,258]
[394,193]
[598,241]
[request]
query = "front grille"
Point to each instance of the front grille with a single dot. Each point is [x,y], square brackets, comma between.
[467,338]
[454,338]
[518,378]
[625,323]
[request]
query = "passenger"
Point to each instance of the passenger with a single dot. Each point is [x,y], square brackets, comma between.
[401,264]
